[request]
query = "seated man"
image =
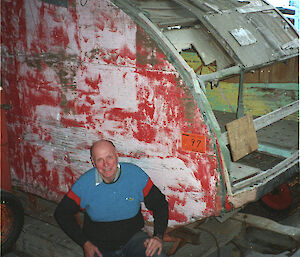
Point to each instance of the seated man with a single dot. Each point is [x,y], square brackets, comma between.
[110,195]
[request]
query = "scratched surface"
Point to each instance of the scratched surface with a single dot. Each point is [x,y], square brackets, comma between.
[77,74]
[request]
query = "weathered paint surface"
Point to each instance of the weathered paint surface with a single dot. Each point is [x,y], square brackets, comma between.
[77,74]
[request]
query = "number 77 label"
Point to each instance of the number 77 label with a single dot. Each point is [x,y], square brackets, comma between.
[193,142]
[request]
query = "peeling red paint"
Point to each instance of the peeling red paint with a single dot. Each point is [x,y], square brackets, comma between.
[145,133]
[173,214]
[60,36]
[183,188]
[70,122]
[94,83]
[69,176]
[65,94]
[126,53]
[90,100]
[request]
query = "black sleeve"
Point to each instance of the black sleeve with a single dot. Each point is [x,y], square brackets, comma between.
[65,217]
[156,202]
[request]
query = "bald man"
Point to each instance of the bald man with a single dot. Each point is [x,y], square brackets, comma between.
[110,194]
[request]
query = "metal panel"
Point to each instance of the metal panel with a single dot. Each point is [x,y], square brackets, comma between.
[198,39]
[250,32]
[249,55]
[267,36]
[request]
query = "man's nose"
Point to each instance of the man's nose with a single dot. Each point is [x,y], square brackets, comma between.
[105,163]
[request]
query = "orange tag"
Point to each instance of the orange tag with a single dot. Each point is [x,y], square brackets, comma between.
[193,142]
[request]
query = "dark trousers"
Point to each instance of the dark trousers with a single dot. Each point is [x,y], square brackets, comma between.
[133,248]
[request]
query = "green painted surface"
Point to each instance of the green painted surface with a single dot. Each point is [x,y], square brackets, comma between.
[257,101]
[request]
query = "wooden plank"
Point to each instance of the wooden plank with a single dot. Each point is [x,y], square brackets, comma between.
[242,137]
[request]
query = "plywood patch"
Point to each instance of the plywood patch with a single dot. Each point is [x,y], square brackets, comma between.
[242,137]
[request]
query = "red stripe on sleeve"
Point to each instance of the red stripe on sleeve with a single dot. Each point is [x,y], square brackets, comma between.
[74,197]
[147,187]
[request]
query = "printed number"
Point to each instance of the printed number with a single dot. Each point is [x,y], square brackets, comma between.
[193,142]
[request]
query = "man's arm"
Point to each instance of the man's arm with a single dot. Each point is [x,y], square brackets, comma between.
[65,217]
[156,202]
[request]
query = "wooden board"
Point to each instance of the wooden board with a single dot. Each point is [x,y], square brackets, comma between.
[242,137]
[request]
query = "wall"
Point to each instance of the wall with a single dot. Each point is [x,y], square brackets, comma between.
[77,74]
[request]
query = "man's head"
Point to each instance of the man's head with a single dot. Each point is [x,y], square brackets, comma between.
[105,158]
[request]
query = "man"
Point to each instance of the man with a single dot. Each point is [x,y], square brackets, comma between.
[110,195]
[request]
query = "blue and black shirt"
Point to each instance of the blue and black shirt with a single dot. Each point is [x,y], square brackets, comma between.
[112,212]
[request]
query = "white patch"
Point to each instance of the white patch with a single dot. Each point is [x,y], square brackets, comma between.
[116,88]
[48,113]
[120,87]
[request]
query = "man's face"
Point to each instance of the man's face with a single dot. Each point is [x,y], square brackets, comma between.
[105,159]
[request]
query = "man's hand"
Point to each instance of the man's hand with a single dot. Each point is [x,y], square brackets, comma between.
[152,245]
[91,250]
